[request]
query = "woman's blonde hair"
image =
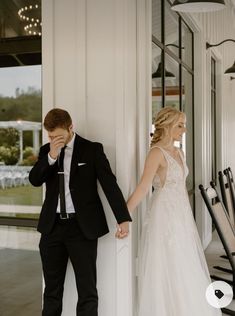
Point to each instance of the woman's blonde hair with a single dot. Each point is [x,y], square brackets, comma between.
[165,119]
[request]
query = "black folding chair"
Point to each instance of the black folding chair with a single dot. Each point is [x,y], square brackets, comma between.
[225,231]
[229,175]
[227,194]
[227,201]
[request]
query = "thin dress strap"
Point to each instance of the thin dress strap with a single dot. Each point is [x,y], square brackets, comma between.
[165,153]
[169,157]
[181,155]
[162,181]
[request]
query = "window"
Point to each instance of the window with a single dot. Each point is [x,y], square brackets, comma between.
[20,107]
[20,139]
[172,73]
[213,119]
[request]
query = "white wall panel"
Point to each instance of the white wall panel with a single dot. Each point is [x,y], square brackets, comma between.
[213,28]
[89,68]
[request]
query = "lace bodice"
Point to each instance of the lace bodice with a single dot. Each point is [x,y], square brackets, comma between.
[175,175]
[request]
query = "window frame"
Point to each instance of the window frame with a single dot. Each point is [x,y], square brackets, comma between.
[182,64]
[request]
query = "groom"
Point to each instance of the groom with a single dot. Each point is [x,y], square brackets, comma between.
[72,216]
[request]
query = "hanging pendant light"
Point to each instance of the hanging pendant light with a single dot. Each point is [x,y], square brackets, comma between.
[158,73]
[197,6]
[230,71]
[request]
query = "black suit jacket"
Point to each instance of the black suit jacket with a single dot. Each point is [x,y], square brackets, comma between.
[83,188]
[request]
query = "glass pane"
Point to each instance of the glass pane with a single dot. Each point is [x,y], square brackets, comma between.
[172,92]
[187,106]
[171,29]
[21,276]
[20,139]
[156,19]
[156,80]
[20,18]
[213,73]
[187,45]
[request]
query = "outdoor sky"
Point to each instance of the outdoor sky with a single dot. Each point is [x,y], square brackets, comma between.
[19,77]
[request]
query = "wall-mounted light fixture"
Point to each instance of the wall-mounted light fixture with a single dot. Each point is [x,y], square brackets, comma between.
[231,70]
[159,72]
[198,6]
[174,45]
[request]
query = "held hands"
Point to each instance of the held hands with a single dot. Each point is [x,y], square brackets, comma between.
[122,230]
[56,144]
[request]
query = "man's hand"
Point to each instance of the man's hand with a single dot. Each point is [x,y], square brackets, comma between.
[122,230]
[55,146]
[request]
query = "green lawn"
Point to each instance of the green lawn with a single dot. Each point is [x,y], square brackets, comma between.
[24,195]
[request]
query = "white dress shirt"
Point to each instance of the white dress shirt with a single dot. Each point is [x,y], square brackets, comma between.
[67,165]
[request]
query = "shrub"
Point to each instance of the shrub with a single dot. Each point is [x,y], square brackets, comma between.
[28,151]
[9,155]
[29,161]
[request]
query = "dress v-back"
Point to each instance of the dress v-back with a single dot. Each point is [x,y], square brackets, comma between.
[173,273]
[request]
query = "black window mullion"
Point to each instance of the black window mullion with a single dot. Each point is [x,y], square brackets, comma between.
[213,118]
[180,65]
[163,22]
[163,54]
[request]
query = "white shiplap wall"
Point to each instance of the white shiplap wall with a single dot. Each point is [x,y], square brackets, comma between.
[217,27]
[212,27]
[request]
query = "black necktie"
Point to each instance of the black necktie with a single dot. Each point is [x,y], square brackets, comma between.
[61,183]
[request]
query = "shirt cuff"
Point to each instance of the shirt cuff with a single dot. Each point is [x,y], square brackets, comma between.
[51,161]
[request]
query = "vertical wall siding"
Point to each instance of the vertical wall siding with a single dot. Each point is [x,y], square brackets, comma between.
[216,27]
[213,27]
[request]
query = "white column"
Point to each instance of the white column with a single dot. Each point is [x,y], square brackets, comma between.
[21,144]
[89,68]
[35,141]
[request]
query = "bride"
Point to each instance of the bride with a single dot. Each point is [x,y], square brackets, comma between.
[173,274]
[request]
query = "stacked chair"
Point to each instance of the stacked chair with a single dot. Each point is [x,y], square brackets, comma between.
[227,193]
[228,173]
[225,229]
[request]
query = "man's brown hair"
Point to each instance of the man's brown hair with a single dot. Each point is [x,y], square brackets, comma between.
[57,118]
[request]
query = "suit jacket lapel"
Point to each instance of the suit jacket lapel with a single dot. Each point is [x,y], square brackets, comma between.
[77,153]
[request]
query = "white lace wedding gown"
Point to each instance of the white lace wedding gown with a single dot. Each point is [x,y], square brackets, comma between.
[173,274]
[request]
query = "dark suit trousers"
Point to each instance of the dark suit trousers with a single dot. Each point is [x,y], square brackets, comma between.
[67,241]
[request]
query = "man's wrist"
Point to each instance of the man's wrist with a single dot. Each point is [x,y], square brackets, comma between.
[51,160]
[52,156]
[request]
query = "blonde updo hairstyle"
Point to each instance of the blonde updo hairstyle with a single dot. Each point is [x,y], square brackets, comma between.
[165,119]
